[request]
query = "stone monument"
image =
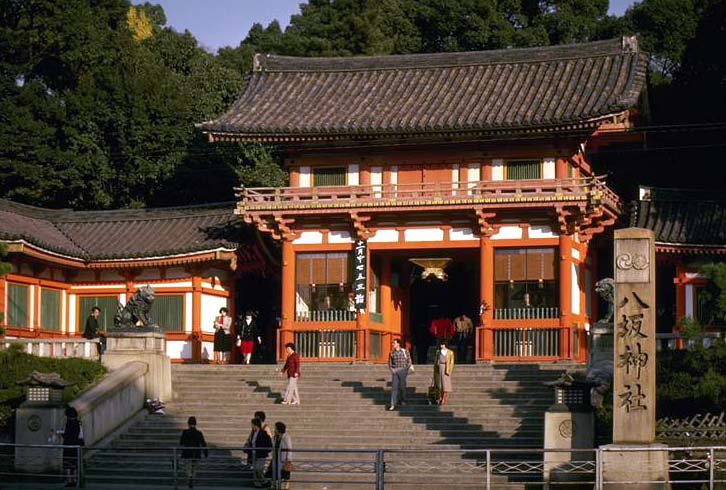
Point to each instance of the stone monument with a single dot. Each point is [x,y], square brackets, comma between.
[135,337]
[634,456]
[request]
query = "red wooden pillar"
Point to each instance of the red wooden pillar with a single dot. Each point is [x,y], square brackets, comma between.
[561,166]
[3,310]
[565,270]
[288,297]
[679,280]
[485,349]
[197,318]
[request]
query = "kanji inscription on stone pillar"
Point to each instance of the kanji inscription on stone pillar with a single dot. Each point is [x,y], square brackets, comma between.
[634,361]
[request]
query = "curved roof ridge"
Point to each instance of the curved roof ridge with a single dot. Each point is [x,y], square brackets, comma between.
[277,63]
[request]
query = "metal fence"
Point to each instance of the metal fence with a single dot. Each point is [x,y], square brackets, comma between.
[325,316]
[326,344]
[689,468]
[527,342]
[527,313]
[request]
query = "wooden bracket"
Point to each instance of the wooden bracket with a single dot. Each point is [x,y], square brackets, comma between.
[486,227]
[359,225]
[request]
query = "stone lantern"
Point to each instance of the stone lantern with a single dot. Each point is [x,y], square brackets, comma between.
[569,425]
[37,422]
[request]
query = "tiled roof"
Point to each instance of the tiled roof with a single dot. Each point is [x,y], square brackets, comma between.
[682,217]
[423,94]
[121,234]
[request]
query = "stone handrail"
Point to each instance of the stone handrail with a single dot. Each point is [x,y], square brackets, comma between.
[58,348]
[107,405]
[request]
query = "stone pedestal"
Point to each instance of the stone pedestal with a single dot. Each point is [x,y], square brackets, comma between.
[567,430]
[37,424]
[631,465]
[147,347]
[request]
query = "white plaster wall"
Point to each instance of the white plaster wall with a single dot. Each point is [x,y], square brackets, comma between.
[473,175]
[462,234]
[99,286]
[575,254]
[179,349]
[339,237]
[305,180]
[64,309]
[423,235]
[376,180]
[162,285]
[575,289]
[548,168]
[72,312]
[508,233]
[384,236]
[455,176]
[353,174]
[210,309]
[122,299]
[689,301]
[309,238]
[394,174]
[31,313]
[541,231]
[188,312]
[497,169]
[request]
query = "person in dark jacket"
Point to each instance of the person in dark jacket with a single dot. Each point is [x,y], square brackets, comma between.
[260,448]
[247,336]
[193,446]
[292,369]
[72,436]
[92,330]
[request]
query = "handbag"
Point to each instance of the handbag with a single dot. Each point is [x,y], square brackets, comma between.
[288,466]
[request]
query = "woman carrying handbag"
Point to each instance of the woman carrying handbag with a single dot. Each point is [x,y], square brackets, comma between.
[443,367]
[281,466]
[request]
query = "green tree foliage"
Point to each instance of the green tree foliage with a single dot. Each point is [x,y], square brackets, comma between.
[92,117]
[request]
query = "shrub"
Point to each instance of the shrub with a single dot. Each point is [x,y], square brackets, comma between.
[16,365]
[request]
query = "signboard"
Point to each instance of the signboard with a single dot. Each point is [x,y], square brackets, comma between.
[360,274]
[634,352]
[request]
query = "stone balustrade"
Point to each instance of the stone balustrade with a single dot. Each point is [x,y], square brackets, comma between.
[58,348]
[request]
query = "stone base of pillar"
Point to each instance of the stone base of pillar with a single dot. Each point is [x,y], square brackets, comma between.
[147,347]
[567,430]
[624,463]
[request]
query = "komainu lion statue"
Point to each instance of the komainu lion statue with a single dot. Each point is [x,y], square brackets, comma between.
[135,314]
[600,361]
[605,288]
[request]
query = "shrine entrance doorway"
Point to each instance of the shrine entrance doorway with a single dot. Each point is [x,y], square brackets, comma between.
[431,298]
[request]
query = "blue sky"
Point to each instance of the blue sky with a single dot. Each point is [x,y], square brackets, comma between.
[217,23]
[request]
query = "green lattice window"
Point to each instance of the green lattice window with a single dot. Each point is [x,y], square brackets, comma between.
[329,176]
[17,307]
[524,169]
[50,309]
[168,312]
[108,306]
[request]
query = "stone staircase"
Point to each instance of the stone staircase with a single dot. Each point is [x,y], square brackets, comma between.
[343,408]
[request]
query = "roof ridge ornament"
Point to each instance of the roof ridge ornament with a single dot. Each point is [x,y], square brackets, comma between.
[630,44]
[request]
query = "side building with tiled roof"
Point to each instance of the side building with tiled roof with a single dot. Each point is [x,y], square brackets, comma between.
[690,232]
[472,168]
[65,262]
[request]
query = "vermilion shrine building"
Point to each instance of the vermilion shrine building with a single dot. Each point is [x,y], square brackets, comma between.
[481,158]
[65,262]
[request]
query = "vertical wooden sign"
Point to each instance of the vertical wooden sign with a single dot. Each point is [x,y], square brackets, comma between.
[360,272]
[634,339]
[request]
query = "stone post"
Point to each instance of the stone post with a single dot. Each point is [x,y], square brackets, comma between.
[634,367]
[147,347]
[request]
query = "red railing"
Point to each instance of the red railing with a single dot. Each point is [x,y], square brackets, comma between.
[570,189]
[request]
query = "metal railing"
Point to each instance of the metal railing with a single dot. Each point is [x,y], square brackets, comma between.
[326,344]
[58,348]
[526,342]
[325,316]
[579,188]
[375,469]
[527,313]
